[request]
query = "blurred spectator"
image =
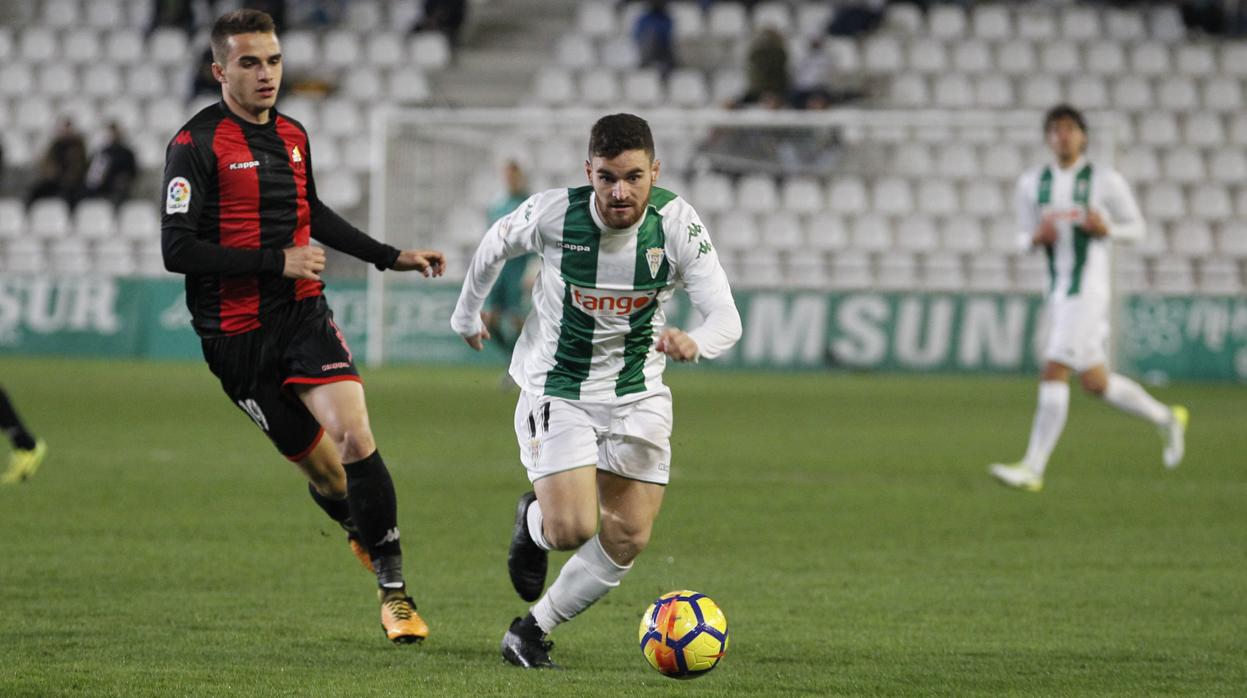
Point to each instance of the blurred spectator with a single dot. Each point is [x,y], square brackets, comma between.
[653,34]
[1207,16]
[445,16]
[766,70]
[812,77]
[505,308]
[113,169]
[857,18]
[316,13]
[179,14]
[203,82]
[63,167]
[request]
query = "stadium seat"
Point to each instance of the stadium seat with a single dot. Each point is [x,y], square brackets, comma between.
[953,91]
[1232,57]
[1220,277]
[94,219]
[1129,271]
[12,218]
[35,115]
[38,44]
[727,21]
[49,218]
[803,195]
[1158,128]
[1037,25]
[961,234]
[972,57]
[727,85]
[1030,272]
[102,80]
[938,198]
[1139,164]
[341,49]
[775,15]
[1003,161]
[825,232]
[599,87]
[1232,239]
[1203,129]
[913,158]
[139,219]
[168,46]
[19,151]
[762,268]
[126,46]
[1080,23]
[782,230]
[1211,202]
[845,57]
[364,16]
[1041,91]
[910,90]
[917,234]
[846,195]
[1195,60]
[1163,201]
[597,18]
[340,190]
[621,53]
[757,194]
[575,52]
[805,271]
[1132,93]
[643,88]
[927,56]
[992,22]
[6,44]
[988,272]
[1106,58]
[686,87]
[687,19]
[1238,128]
[983,198]
[943,271]
[301,50]
[850,269]
[340,117]
[1173,275]
[557,156]
[150,261]
[1001,235]
[1089,92]
[1191,238]
[870,232]
[385,49]
[713,193]
[165,114]
[25,256]
[1183,164]
[993,91]
[1125,25]
[555,87]
[16,80]
[1222,94]
[1061,58]
[737,231]
[1177,94]
[812,18]
[305,110]
[892,196]
[69,256]
[902,19]
[1165,23]
[463,226]
[1228,166]
[429,50]
[1150,59]
[957,160]
[82,46]
[882,55]
[896,271]
[365,86]
[146,80]
[948,22]
[114,257]
[1016,58]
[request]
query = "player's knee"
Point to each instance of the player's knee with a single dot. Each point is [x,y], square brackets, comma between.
[568,532]
[624,540]
[1095,385]
[354,441]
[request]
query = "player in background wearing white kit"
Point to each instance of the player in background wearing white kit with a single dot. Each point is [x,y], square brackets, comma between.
[1072,209]
[593,420]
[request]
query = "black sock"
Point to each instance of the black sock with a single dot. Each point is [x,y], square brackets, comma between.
[374,510]
[12,425]
[337,509]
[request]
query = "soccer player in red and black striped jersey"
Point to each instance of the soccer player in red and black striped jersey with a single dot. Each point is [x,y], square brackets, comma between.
[240,210]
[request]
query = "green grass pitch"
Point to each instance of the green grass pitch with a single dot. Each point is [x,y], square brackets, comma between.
[846,524]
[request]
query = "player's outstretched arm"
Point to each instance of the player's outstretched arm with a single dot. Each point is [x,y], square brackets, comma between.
[427,262]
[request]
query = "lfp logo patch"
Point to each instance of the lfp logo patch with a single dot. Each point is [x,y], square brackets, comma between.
[179,197]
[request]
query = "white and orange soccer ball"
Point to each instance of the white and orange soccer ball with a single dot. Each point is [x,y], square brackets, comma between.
[683,634]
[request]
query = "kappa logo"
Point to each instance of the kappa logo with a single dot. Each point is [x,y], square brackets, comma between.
[183,138]
[573,247]
[391,536]
[600,302]
[178,199]
[244,165]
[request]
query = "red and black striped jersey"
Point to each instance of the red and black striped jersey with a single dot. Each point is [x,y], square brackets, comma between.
[236,195]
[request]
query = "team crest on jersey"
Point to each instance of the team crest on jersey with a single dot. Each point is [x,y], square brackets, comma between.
[654,256]
[178,199]
[295,155]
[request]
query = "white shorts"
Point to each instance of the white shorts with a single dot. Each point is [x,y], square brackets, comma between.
[631,440]
[1077,332]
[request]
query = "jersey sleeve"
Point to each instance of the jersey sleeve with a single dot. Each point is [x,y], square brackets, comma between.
[697,265]
[1026,210]
[514,234]
[333,230]
[1125,221]
[188,179]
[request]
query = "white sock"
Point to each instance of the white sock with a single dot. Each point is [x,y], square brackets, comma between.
[1049,422]
[535,523]
[585,578]
[1130,397]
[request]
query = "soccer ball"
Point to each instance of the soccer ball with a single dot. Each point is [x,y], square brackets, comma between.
[683,634]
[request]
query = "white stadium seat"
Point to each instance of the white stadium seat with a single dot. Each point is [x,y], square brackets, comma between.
[126,46]
[1184,164]
[1124,24]
[1089,92]
[114,257]
[1191,238]
[942,271]
[1173,275]
[813,17]
[953,91]
[94,218]
[882,55]
[988,272]
[49,218]
[825,232]
[1165,23]
[727,85]
[1106,58]
[1211,202]
[1232,239]
[938,197]
[61,14]
[145,80]
[1016,58]
[983,198]
[1080,23]
[1220,277]
[104,14]
[1150,58]
[1238,129]
[1061,58]
[69,256]
[844,53]
[993,91]
[958,161]
[365,86]
[727,21]
[1163,201]
[340,117]
[643,88]
[1177,94]
[596,18]
[1139,164]
[408,85]
[910,90]
[34,115]
[621,53]
[1228,166]
[1203,129]
[688,19]
[575,52]
[385,49]
[782,231]
[927,56]
[341,49]
[686,87]
[757,194]
[1196,60]
[1030,272]
[1222,94]
[1233,58]
[870,232]
[12,218]
[82,46]
[802,195]
[57,80]
[38,44]
[25,256]
[903,19]
[16,79]
[897,271]
[168,46]
[139,219]
[992,22]
[913,158]
[1041,91]
[300,49]
[1003,161]
[846,195]
[713,192]
[1158,128]
[961,234]
[599,87]
[775,15]
[850,269]
[917,234]
[972,56]
[948,22]
[1036,25]
[555,86]
[364,15]
[737,231]
[892,196]
[1132,93]
[805,271]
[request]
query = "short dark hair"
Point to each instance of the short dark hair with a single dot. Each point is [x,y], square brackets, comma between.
[1064,111]
[614,134]
[237,22]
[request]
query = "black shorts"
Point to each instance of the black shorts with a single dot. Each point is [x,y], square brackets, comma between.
[300,344]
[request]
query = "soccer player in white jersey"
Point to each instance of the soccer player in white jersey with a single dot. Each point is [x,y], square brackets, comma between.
[594,418]
[1072,209]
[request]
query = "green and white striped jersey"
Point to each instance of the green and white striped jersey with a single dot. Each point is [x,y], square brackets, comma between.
[1078,264]
[597,302]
